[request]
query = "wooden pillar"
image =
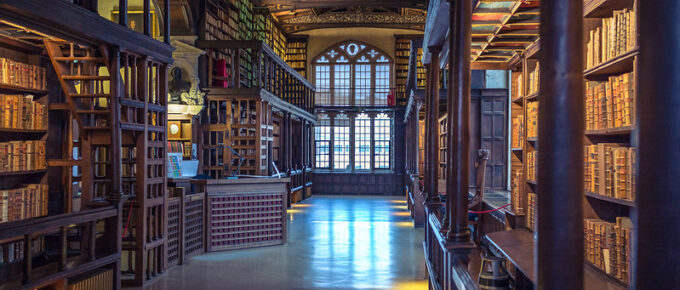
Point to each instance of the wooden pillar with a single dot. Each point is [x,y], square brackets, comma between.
[657,225]
[432,133]
[560,190]
[122,12]
[458,122]
[147,16]
[116,138]
[166,22]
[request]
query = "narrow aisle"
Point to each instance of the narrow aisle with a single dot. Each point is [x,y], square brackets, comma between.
[339,242]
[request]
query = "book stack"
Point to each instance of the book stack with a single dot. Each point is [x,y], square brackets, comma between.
[101,279]
[610,104]
[609,170]
[532,119]
[14,251]
[517,86]
[21,112]
[607,246]
[22,75]
[515,188]
[517,131]
[22,156]
[531,165]
[615,36]
[531,211]
[534,77]
[23,203]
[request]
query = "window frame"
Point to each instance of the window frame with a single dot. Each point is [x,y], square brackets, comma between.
[339,55]
[352,166]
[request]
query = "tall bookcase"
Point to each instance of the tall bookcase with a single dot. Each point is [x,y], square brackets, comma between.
[404,48]
[610,77]
[267,29]
[296,53]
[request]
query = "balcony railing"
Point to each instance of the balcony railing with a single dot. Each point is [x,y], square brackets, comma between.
[250,64]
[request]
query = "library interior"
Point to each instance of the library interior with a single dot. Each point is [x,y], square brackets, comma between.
[322,144]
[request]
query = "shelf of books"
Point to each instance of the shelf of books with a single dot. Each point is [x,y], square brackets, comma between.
[402,55]
[296,54]
[442,147]
[267,29]
[610,79]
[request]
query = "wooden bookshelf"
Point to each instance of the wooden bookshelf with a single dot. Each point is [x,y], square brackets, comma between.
[296,53]
[611,94]
[443,133]
[402,55]
[267,29]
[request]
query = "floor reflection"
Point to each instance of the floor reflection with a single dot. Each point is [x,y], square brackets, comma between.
[334,242]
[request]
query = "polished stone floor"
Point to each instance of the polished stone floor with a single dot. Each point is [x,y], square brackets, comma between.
[334,242]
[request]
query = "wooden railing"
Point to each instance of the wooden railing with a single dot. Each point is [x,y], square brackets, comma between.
[26,272]
[251,64]
[446,270]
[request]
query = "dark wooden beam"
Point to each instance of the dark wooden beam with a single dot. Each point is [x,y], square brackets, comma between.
[147,17]
[657,226]
[432,130]
[560,178]
[122,12]
[458,122]
[166,22]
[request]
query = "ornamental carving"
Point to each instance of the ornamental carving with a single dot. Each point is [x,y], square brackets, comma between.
[359,17]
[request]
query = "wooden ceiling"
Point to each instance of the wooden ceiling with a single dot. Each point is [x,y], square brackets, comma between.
[502,29]
[300,15]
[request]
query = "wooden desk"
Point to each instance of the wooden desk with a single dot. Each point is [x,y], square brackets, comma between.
[245,212]
[518,247]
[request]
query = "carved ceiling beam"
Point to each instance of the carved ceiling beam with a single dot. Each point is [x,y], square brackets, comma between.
[287,5]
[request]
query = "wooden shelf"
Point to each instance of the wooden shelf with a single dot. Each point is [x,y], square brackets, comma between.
[518,100]
[5,88]
[25,172]
[22,131]
[532,182]
[611,132]
[532,139]
[517,149]
[604,8]
[519,248]
[620,64]
[611,199]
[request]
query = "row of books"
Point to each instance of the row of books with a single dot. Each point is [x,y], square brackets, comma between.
[23,203]
[608,246]
[531,211]
[298,45]
[531,165]
[517,131]
[180,147]
[610,104]
[534,79]
[613,37]
[22,112]
[532,120]
[101,279]
[291,50]
[296,57]
[22,156]
[14,251]
[518,86]
[516,188]
[610,170]
[22,74]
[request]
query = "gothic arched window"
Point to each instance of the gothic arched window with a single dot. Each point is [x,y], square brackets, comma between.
[352,73]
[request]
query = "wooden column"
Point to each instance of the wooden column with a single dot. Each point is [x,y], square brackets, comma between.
[432,130]
[657,225]
[458,122]
[147,17]
[166,22]
[560,153]
[122,12]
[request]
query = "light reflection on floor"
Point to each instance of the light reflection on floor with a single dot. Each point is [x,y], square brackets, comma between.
[334,242]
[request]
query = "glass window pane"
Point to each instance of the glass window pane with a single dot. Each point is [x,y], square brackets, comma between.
[362,142]
[341,84]
[362,84]
[341,142]
[382,84]
[323,85]
[382,126]
[322,138]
